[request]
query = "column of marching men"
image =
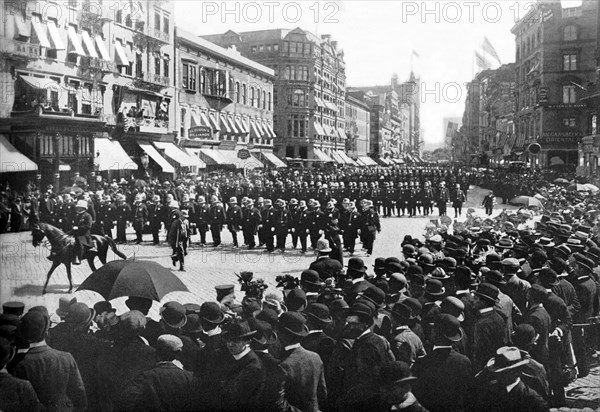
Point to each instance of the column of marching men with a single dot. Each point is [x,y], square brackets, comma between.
[499,317]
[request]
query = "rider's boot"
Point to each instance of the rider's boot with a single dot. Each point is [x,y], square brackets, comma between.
[76,260]
[52,256]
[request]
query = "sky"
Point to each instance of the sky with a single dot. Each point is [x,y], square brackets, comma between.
[379,37]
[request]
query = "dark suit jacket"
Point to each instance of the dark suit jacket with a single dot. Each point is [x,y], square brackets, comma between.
[369,353]
[489,334]
[520,399]
[243,384]
[165,387]
[17,395]
[83,222]
[321,344]
[450,373]
[326,267]
[304,379]
[55,378]
[540,320]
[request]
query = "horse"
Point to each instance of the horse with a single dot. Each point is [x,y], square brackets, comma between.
[63,248]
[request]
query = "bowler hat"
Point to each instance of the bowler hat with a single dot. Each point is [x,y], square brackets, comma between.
[547,276]
[505,243]
[563,251]
[173,313]
[318,311]
[294,323]
[357,265]
[584,262]
[380,263]
[265,335]
[295,299]
[374,295]
[394,267]
[33,326]
[104,306]
[495,278]
[364,309]
[238,329]
[64,305]
[80,314]
[311,277]
[211,312]
[434,287]
[403,311]
[449,327]
[524,336]
[453,306]
[426,260]
[339,306]
[488,292]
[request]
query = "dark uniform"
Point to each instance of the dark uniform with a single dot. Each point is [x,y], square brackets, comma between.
[281,226]
[217,220]
[82,232]
[234,221]
[370,226]
[202,220]
[301,225]
[250,222]
[269,220]
[140,217]
[123,214]
[155,215]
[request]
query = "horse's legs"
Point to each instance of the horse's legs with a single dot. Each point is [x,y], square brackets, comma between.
[54,266]
[90,259]
[68,265]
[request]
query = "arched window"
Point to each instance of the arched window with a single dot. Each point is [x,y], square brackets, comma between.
[258,97]
[269,101]
[237,92]
[252,96]
[570,33]
[245,94]
[264,100]
[231,89]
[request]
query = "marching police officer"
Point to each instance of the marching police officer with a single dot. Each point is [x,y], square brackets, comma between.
[250,223]
[234,220]
[140,218]
[217,220]
[122,214]
[202,219]
[155,214]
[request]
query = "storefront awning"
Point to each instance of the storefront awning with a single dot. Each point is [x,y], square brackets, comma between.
[234,128]
[254,133]
[260,128]
[398,161]
[22,28]
[319,129]
[176,154]
[89,44]
[120,55]
[337,158]
[57,43]
[274,160]
[347,158]
[205,122]
[111,156]
[213,122]
[360,162]
[40,32]
[225,124]
[13,160]
[153,153]
[229,157]
[39,83]
[194,153]
[368,161]
[74,42]
[341,133]
[319,102]
[331,106]
[268,129]
[102,48]
[241,126]
[320,155]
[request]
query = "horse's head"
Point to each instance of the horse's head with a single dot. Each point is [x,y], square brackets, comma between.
[38,234]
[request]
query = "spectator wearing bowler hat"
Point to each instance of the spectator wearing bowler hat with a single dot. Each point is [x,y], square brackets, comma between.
[311,283]
[507,391]
[534,374]
[304,374]
[564,289]
[505,305]
[245,378]
[515,287]
[13,308]
[370,351]
[538,317]
[53,374]
[15,394]
[405,344]
[214,354]
[444,369]
[434,293]
[356,272]
[379,267]
[396,388]
[382,318]
[489,329]
[166,386]
[317,320]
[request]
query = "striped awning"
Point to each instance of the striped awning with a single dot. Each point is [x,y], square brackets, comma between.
[111,156]
[320,155]
[154,155]
[13,160]
[368,161]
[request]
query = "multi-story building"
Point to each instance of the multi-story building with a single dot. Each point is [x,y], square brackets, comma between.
[89,83]
[308,91]
[555,63]
[450,127]
[357,127]
[466,148]
[225,103]
[395,125]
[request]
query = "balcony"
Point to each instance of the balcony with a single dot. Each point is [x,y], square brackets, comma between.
[143,124]
[155,79]
[99,64]
[151,33]
[19,49]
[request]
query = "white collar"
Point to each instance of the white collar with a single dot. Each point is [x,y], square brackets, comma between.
[403,327]
[242,353]
[312,293]
[364,333]
[261,350]
[315,331]
[290,347]
[463,292]
[536,305]
[37,344]
[3,370]
[512,385]
[435,347]
[485,310]
[144,340]
[360,279]
[408,401]
[213,332]
[173,362]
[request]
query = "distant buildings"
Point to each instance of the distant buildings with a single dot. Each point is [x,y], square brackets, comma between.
[358,127]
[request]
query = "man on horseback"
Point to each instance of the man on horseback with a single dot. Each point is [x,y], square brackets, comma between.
[82,231]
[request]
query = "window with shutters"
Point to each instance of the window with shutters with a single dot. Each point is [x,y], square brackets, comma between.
[569,62]
[569,95]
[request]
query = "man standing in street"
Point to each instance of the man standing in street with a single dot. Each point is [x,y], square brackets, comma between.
[234,220]
[370,226]
[488,203]
[251,221]
[217,220]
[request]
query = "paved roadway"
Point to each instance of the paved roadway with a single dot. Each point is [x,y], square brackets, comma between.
[23,271]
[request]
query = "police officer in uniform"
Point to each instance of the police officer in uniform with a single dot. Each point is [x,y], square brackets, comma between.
[250,223]
[316,222]
[302,224]
[282,224]
[269,219]
[234,219]
[202,219]
[82,231]
[370,226]
[155,214]
[217,220]
[388,201]
[123,214]
[293,209]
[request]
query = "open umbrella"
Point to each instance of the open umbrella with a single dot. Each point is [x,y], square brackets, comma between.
[561,181]
[539,197]
[578,187]
[526,201]
[591,187]
[72,189]
[141,278]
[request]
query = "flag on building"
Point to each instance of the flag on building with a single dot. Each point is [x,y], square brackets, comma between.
[481,61]
[489,49]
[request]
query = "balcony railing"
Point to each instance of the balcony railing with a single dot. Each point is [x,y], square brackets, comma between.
[101,64]
[151,32]
[19,48]
[155,79]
